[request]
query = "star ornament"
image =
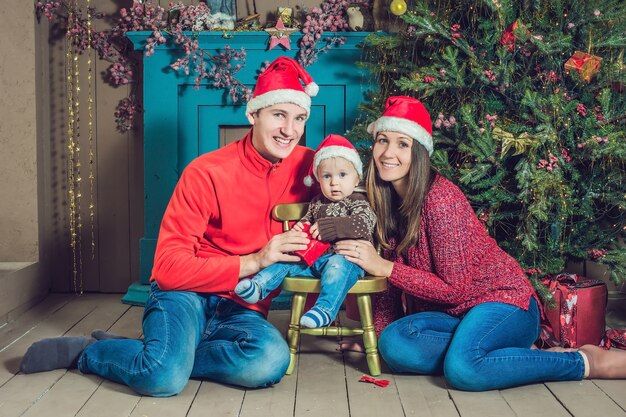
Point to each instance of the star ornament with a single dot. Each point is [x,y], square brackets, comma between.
[279,35]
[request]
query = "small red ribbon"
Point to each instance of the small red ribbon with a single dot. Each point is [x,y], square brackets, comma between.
[380,382]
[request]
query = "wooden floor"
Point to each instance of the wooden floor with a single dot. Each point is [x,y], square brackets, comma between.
[326,382]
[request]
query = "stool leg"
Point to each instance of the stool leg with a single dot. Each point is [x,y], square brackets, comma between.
[370,341]
[293,332]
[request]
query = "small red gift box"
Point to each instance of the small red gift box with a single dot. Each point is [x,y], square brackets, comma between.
[579,316]
[586,65]
[314,250]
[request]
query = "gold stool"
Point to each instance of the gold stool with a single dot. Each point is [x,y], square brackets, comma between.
[300,287]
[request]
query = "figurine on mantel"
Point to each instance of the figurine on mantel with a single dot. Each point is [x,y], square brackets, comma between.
[214,21]
[251,22]
[359,18]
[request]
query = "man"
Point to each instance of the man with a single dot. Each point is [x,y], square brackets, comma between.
[216,230]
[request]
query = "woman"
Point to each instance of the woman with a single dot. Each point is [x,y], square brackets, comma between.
[479,314]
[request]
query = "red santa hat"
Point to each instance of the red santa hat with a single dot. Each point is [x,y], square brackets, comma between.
[405,115]
[282,82]
[334,146]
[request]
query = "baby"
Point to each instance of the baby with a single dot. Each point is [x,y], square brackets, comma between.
[339,212]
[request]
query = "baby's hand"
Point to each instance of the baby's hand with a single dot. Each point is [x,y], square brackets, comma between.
[299,226]
[315,232]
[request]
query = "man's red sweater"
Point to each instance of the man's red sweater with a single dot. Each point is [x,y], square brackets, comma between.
[221,210]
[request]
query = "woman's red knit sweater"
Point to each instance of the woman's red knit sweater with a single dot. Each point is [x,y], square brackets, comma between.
[455,265]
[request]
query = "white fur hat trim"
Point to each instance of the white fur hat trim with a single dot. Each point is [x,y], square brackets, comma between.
[401,125]
[272,97]
[341,152]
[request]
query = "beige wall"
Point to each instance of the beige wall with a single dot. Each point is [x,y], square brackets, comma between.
[18,159]
[22,280]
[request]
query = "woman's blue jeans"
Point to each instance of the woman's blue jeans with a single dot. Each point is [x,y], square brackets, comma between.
[188,334]
[487,348]
[337,275]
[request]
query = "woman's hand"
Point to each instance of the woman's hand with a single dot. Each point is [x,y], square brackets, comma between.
[364,254]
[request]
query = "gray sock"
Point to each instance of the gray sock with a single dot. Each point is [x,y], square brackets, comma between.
[54,353]
[100,334]
[248,290]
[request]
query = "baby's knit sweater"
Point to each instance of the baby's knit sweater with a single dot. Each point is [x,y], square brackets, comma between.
[350,218]
[454,266]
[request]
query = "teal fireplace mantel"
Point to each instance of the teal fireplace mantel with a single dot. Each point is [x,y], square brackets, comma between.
[181,122]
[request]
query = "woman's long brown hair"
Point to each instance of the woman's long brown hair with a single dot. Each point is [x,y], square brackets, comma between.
[397,218]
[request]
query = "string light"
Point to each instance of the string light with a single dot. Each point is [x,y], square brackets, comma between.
[73,133]
[70,139]
[90,133]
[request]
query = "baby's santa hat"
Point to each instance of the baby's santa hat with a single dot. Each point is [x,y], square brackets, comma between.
[334,146]
[405,115]
[282,82]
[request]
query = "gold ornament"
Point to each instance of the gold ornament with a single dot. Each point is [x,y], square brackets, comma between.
[586,65]
[286,15]
[398,7]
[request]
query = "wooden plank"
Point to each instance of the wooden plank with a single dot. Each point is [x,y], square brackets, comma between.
[533,400]
[423,395]
[129,325]
[406,395]
[105,310]
[217,400]
[112,219]
[616,389]
[176,406]
[481,404]
[135,188]
[66,397]
[112,199]
[22,391]
[278,400]
[55,325]
[55,246]
[110,400]
[88,259]
[108,310]
[368,399]
[325,382]
[13,330]
[321,384]
[584,398]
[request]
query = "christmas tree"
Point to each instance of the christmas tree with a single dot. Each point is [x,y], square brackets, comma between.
[528,100]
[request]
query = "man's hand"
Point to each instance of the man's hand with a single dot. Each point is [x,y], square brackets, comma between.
[278,249]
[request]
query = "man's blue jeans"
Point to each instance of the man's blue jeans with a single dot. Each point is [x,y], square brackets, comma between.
[188,334]
[487,348]
[337,275]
